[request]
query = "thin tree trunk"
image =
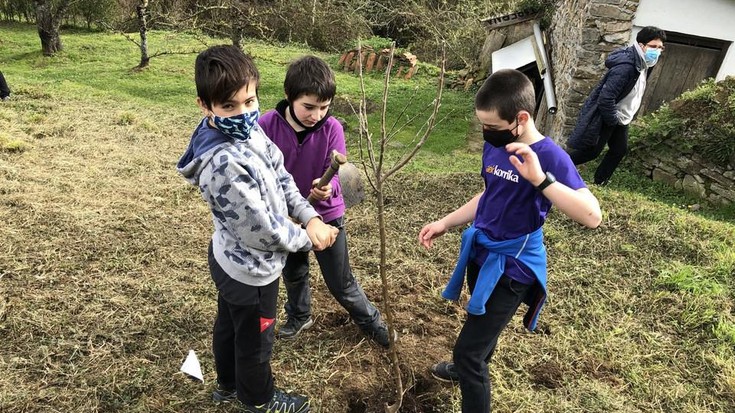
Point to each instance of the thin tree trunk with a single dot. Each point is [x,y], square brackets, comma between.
[236,36]
[143,27]
[396,367]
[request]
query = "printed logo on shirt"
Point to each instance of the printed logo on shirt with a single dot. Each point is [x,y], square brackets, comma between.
[507,175]
[265,323]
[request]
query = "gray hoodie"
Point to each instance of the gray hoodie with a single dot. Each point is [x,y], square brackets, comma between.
[251,196]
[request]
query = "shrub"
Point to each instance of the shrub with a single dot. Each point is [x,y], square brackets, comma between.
[702,119]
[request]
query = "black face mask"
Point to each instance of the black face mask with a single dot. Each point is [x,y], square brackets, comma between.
[500,138]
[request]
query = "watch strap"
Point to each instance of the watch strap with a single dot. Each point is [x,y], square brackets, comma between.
[550,179]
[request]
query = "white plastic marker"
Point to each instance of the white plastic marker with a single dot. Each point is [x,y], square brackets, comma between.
[192,367]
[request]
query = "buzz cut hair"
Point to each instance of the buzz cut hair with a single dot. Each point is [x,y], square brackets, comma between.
[221,71]
[507,92]
[309,75]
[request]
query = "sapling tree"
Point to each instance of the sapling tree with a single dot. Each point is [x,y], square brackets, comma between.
[379,169]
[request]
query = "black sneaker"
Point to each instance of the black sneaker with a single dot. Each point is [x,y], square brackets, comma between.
[222,395]
[281,402]
[380,334]
[293,327]
[445,371]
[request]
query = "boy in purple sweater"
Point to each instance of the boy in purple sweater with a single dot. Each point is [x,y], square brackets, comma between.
[304,131]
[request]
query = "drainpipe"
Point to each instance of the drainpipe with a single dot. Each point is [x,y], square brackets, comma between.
[545,71]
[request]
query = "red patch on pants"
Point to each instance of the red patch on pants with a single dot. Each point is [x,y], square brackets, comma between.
[265,323]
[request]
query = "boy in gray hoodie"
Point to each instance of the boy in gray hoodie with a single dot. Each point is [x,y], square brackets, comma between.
[241,176]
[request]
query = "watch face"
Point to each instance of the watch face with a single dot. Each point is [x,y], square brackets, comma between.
[550,179]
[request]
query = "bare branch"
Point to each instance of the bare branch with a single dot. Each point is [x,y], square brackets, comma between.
[403,111]
[364,130]
[174,52]
[432,119]
[121,32]
[384,109]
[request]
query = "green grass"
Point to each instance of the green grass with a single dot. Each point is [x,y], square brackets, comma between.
[98,66]
[104,284]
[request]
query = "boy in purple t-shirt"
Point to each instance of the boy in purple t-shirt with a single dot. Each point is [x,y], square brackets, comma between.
[502,252]
[304,131]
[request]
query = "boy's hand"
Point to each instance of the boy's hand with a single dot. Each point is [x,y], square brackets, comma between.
[528,165]
[430,232]
[322,235]
[322,193]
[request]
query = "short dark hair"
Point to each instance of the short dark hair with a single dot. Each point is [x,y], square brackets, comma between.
[649,33]
[309,75]
[221,71]
[507,92]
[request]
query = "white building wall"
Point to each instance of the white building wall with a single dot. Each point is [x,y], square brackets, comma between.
[705,18]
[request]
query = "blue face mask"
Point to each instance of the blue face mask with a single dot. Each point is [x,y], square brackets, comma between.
[651,56]
[237,127]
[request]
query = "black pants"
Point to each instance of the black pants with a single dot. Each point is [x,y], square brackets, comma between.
[334,263]
[4,89]
[616,138]
[479,336]
[242,340]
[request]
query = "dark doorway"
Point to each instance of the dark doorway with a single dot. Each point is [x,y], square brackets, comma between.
[531,71]
[686,61]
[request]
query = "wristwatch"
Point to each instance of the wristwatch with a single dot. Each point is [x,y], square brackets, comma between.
[550,179]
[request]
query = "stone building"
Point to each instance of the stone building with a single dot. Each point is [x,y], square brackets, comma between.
[700,36]
[584,32]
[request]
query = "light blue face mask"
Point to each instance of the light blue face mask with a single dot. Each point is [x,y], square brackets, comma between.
[652,56]
[237,127]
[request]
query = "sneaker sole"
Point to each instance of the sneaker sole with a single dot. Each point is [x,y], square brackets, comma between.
[304,409]
[444,379]
[217,399]
[306,326]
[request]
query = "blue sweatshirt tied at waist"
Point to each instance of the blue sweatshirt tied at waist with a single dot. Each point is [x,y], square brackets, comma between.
[529,249]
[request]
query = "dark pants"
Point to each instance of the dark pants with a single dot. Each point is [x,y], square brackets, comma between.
[4,89]
[334,263]
[242,340]
[478,338]
[616,138]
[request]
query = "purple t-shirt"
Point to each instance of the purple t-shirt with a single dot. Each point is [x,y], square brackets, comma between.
[511,206]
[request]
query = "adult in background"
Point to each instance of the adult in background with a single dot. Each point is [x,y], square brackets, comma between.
[4,89]
[613,103]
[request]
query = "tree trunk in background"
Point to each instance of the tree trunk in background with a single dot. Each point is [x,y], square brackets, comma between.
[236,36]
[141,9]
[48,23]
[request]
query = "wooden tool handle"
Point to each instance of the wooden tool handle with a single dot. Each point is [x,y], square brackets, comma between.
[338,159]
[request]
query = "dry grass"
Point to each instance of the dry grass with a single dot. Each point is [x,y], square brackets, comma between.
[104,288]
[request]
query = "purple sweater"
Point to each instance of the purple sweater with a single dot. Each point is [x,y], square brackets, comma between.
[308,161]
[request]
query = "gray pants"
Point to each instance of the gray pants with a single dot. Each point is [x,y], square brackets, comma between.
[335,267]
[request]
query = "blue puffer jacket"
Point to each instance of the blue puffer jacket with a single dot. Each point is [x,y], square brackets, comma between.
[625,66]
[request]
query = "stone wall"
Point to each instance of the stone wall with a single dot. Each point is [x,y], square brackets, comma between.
[582,35]
[674,163]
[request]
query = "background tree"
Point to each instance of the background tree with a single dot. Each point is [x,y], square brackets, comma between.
[16,10]
[140,12]
[95,11]
[49,14]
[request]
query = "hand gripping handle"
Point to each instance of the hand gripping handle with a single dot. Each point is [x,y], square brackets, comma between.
[338,159]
